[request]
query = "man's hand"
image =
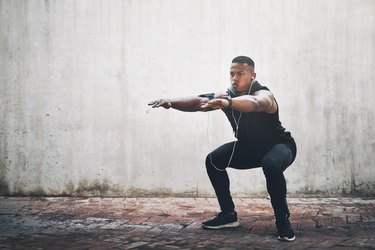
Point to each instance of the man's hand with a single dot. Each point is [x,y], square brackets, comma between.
[161,103]
[216,103]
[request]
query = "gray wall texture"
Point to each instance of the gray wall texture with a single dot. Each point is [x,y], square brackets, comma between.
[76,77]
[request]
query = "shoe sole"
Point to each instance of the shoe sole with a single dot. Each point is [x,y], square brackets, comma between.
[286,238]
[228,225]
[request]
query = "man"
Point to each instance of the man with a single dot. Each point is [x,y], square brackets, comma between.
[261,142]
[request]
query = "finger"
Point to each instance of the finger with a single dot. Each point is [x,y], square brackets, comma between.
[206,105]
[215,102]
[155,103]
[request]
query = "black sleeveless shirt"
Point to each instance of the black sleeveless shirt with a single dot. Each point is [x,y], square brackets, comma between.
[258,130]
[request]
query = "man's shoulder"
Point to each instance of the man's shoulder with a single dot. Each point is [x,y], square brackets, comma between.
[221,94]
[256,87]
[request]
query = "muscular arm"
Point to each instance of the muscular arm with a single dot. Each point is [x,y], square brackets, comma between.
[261,101]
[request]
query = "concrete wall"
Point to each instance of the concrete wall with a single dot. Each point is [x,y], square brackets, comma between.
[76,77]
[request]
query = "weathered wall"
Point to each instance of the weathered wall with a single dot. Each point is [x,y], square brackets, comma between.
[76,77]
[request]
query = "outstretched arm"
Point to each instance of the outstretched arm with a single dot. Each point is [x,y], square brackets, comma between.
[188,104]
[261,101]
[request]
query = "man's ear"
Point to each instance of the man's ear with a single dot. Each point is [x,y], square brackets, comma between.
[253,75]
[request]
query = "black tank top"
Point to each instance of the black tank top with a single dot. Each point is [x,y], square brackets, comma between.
[259,130]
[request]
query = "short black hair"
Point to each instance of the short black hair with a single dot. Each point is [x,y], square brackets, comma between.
[244,59]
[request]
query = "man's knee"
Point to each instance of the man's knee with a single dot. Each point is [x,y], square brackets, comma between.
[208,161]
[210,164]
[271,167]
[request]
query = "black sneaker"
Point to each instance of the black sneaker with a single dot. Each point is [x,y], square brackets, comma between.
[285,231]
[222,220]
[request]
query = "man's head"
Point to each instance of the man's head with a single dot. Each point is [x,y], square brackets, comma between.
[242,73]
[244,60]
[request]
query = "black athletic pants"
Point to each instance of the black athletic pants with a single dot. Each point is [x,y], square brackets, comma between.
[273,163]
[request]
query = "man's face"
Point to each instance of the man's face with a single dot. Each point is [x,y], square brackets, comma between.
[241,76]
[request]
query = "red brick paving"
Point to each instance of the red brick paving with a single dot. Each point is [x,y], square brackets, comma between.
[175,223]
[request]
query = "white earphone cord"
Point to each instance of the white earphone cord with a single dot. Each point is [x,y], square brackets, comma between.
[237,122]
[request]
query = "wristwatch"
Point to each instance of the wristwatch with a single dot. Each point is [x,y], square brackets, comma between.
[229,101]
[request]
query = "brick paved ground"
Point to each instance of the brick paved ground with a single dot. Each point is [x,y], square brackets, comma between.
[174,223]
